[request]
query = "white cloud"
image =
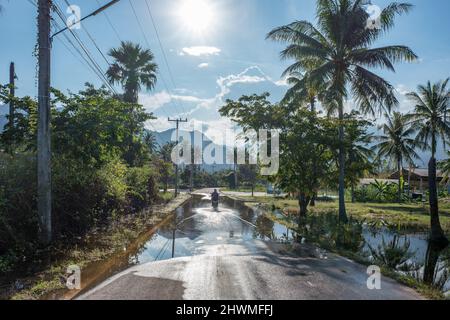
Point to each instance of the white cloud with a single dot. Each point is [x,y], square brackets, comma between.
[206,109]
[198,51]
[203,65]
[282,83]
[155,101]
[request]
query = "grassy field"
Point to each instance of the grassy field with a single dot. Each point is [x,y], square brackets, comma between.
[404,215]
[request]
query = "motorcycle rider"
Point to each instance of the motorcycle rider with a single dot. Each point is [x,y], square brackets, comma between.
[215,196]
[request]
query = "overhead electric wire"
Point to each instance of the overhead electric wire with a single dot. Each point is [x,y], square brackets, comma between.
[110,23]
[85,50]
[148,44]
[91,38]
[147,2]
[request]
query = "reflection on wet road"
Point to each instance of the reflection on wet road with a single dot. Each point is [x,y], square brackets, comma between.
[196,226]
[224,254]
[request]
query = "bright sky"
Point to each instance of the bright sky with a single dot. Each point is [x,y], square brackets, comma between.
[216,49]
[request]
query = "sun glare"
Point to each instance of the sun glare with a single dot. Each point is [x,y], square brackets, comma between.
[196,15]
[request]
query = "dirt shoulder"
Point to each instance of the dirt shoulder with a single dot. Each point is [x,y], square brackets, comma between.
[95,254]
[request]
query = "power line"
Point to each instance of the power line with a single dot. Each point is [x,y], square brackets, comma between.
[85,50]
[148,44]
[162,47]
[88,63]
[110,23]
[91,38]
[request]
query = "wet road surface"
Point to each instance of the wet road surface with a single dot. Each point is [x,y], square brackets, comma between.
[231,254]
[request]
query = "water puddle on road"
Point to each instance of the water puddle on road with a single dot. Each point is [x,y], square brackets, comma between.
[188,231]
[197,225]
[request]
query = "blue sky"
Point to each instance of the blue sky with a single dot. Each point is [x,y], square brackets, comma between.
[228,57]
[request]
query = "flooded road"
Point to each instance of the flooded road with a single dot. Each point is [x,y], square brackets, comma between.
[197,226]
[232,253]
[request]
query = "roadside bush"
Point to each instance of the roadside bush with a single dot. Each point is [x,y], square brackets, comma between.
[83,198]
[142,187]
[18,209]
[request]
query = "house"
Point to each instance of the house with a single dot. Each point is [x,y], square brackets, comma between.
[418,178]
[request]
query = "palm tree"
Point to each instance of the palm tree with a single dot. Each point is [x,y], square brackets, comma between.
[150,141]
[339,49]
[133,67]
[445,167]
[302,92]
[432,104]
[165,154]
[397,144]
[359,156]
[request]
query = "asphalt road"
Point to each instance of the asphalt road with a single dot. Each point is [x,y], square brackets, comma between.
[227,263]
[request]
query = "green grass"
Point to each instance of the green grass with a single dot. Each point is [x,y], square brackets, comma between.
[246,189]
[404,215]
[166,196]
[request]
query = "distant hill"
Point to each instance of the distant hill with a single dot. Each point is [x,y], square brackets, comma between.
[165,137]
[4,110]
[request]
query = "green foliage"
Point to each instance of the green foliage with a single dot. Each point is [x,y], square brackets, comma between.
[378,191]
[326,230]
[100,168]
[392,254]
[132,67]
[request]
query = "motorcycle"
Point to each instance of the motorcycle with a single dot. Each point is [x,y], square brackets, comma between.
[215,204]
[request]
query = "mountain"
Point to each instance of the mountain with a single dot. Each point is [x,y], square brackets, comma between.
[4,110]
[165,137]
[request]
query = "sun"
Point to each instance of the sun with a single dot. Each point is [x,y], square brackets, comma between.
[196,15]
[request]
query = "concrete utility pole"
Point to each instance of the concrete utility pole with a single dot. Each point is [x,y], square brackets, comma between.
[176,165]
[44,120]
[44,145]
[12,92]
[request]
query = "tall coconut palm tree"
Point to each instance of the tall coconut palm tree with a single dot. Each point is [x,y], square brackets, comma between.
[431,122]
[340,50]
[133,67]
[397,144]
[445,167]
[302,92]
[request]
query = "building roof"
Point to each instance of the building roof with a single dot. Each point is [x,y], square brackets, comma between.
[368,181]
[420,172]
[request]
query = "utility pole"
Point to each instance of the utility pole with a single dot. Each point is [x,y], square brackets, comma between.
[12,92]
[176,165]
[44,145]
[44,114]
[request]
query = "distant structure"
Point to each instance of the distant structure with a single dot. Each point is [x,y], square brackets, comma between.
[418,179]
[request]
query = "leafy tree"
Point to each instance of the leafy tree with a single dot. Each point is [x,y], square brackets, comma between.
[359,153]
[397,144]
[94,127]
[248,173]
[165,164]
[305,145]
[430,121]
[304,142]
[133,67]
[150,141]
[338,53]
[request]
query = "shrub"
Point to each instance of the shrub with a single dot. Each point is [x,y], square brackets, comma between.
[84,197]
[142,187]
[18,211]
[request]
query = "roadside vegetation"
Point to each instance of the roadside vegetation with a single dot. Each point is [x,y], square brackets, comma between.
[106,173]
